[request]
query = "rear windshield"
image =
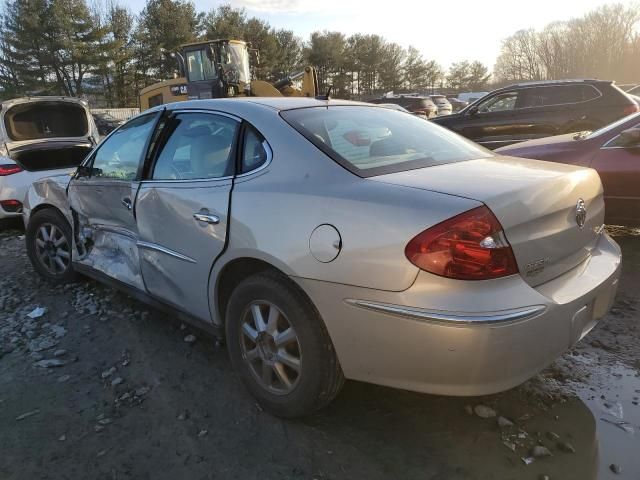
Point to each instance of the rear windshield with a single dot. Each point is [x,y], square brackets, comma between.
[370,141]
[37,120]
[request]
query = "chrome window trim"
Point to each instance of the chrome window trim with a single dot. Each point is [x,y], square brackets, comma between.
[518,89]
[159,248]
[450,318]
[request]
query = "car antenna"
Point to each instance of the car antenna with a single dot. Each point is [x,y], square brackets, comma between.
[326,96]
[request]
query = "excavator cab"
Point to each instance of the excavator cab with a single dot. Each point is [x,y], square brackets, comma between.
[216,69]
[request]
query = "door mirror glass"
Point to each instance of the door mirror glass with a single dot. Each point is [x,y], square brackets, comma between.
[472,110]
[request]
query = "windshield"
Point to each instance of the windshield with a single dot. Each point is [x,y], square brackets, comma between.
[614,125]
[199,67]
[372,141]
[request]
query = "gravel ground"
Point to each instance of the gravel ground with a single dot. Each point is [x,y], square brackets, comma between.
[100,386]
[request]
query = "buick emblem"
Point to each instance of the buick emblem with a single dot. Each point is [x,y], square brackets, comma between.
[581,213]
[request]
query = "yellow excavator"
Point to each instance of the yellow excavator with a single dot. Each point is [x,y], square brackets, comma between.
[221,69]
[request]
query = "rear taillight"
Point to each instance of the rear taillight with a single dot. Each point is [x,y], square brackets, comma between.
[629,109]
[9,169]
[469,246]
[11,206]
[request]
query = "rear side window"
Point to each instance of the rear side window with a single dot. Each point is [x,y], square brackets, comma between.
[254,151]
[558,95]
[372,141]
[200,146]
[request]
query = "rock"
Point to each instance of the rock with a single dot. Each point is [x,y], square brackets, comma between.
[105,421]
[504,422]
[190,338]
[566,447]
[202,433]
[37,312]
[510,445]
[98,428]
[109,372]
[58,331]
[141,391]
[64,378]
[528,460]
[615,468]
[101,453]
[36,356]
[62,438]
[539,451]
[50,363]
[544,477]
[41,344]
[183,416]
[553,436]
[28,414]
[116,381]
[60,353]
[484,412]
[468,409]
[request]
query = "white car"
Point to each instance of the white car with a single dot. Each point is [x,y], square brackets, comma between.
[40,137]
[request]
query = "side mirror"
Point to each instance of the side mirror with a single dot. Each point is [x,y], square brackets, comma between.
[473,110]
[630,137]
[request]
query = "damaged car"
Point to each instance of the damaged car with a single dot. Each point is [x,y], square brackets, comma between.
[39,137]
[331,240]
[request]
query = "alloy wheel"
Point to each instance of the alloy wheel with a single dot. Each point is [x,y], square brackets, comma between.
[271,348]
[52,248]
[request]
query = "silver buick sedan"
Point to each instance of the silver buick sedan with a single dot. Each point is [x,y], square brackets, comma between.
[332,240]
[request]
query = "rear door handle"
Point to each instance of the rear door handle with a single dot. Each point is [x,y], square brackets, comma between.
[207,218]
[127,203]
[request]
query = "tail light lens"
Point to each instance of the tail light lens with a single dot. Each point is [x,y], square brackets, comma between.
[469,246]
[11,206]
[629,109]
[9,169]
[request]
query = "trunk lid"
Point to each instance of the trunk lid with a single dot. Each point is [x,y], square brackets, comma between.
[536,202]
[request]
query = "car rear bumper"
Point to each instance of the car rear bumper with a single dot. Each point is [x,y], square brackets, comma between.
[449,337]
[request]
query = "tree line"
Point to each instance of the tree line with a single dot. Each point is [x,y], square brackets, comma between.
[604,43]
[106,53]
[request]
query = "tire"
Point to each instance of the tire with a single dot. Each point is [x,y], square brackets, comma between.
[55,264]
[319,377]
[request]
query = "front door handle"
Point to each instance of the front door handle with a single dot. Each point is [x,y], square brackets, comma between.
[127,203]
[207,218]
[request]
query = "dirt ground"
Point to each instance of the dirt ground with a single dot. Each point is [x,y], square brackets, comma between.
[102,387]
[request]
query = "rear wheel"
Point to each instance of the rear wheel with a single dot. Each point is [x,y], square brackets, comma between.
[49,244]
[279,346]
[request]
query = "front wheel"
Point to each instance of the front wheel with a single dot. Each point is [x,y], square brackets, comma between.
[49,244]
[279,346]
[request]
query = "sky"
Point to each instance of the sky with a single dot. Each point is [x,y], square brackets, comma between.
[442,31]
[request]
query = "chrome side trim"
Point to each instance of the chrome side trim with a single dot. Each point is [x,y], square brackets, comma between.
[113,229]
[450,318]
[167,251]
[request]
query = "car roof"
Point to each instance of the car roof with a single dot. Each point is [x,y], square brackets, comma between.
[275,103]
[569,81]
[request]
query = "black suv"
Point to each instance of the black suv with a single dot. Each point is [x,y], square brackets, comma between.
[539,109]
[421,106]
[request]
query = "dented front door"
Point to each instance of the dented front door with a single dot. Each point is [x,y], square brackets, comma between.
[102,202]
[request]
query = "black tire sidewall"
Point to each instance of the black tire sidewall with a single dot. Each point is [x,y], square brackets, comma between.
[314,343]
[48,216]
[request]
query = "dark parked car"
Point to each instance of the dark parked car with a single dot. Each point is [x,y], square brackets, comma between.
[106,123]
[457,104]
[540,109]
[421,106]
[614,151]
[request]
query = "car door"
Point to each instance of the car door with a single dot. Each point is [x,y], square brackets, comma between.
[101,197]
[618,164]
[182,208]
[492,122]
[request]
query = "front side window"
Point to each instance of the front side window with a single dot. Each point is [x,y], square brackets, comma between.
[200,146]
[625,142]
[120,155]
[372,141]
[499,103]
